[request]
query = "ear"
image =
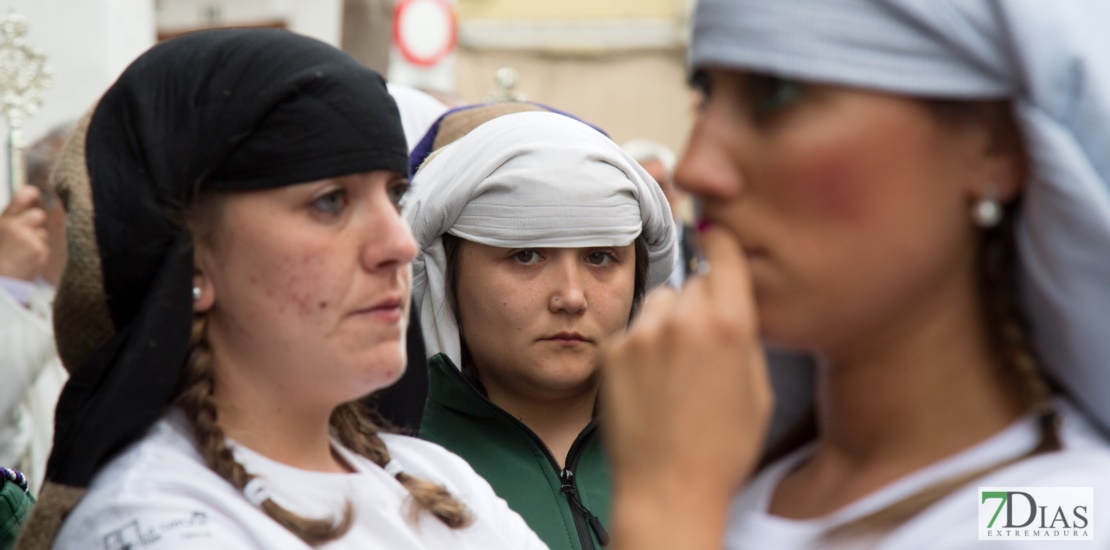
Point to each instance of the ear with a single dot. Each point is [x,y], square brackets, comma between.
[1001,160]
[204,292]
[1005,173]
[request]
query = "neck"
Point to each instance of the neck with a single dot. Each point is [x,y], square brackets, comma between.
[915,392]
[260,416]
[557,421]
[916,404]
[918,391]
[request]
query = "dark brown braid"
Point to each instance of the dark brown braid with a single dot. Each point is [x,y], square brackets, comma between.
[353,427]
[1007,333]
[195,399]
[357,432]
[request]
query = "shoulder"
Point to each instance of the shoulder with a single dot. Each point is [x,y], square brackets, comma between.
[159,493]
[432,462]
[1083,463]
[494,521]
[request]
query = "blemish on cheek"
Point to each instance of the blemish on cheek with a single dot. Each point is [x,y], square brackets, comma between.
[254,280]
[304,306]
[323,304]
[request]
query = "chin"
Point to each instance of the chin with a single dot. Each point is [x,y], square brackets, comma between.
[375,374]
[569,380]
[784,336]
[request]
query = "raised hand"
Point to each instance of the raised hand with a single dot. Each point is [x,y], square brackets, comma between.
[687,401]
[23,244]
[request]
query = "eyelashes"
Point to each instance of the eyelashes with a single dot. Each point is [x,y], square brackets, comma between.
[601,258]
[760,96]
[336,200]
[526,257]
[397,191]
[331,203]
[771,94]
[597,258]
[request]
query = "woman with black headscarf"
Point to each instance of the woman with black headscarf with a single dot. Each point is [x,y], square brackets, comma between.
[238,279]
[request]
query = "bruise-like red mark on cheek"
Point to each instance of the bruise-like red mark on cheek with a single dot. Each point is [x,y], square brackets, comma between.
[828,183]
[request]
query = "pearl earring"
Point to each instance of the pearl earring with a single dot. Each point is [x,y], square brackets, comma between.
[196,293]
[987,211]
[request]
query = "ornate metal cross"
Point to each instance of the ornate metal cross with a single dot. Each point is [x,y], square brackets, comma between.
[24,78]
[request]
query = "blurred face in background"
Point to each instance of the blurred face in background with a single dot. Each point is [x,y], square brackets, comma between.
[40,160]
[851,206]
[658,172]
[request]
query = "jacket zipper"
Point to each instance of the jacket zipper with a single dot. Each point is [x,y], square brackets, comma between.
[567,478]
[582,515]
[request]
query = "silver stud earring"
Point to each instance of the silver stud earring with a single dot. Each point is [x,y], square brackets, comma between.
[196,293]
[987,211]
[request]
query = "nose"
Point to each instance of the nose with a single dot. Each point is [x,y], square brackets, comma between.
[389,243]
[709,166]
[569,293]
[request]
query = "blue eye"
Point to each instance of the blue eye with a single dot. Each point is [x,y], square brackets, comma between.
[397,191]
[331,203]
[526,256]
[770,94]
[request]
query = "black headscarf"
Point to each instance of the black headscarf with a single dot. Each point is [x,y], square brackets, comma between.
[224,110]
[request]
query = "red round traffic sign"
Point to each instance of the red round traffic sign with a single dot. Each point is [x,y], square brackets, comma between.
[424,31]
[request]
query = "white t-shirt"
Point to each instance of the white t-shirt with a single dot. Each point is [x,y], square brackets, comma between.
[159,494]
[952,523]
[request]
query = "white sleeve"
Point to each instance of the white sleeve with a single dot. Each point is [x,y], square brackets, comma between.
[28,346]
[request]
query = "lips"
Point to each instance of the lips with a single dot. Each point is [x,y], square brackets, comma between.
[752,250]
[567,337]
[390,308]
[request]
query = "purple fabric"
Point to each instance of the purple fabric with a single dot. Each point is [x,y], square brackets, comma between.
[424,147]
[20,290]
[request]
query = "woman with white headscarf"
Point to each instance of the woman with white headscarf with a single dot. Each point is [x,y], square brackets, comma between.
[537,238]
[917,193]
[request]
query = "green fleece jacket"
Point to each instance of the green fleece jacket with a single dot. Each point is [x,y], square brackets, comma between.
[15,508]
[567,508]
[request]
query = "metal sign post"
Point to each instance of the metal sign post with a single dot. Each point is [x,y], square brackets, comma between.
[24,78]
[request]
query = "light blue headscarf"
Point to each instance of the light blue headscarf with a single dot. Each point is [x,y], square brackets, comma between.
[1051,58]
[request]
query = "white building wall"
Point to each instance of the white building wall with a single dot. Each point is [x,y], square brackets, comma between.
[87,44]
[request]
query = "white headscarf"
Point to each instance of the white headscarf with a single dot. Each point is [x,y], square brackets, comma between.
[1052,59]
[529,180]
[418,111]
